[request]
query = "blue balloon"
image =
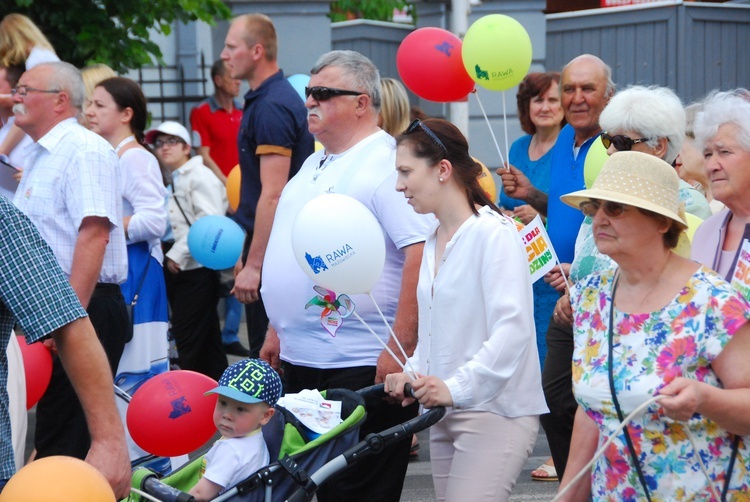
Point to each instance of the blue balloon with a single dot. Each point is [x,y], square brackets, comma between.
[299,81]
[216,242]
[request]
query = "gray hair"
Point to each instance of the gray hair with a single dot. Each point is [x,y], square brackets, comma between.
[359,72]
[691,111]
[653,112]
[719,108]
[66,77]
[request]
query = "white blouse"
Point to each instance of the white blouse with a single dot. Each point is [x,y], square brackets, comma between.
[476,319]
[143,198]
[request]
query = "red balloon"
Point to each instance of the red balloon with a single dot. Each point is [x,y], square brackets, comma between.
[169,415]
[37,366]
[430,65]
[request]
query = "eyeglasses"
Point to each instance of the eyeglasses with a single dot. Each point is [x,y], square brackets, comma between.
[23,90]
[611,209]
[326,93]
[169,141]
[416,123]
[622,143]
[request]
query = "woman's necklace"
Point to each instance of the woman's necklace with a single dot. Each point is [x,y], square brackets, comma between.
[123,143]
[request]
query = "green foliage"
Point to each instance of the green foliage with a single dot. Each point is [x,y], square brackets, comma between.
[377,10]
[114,32]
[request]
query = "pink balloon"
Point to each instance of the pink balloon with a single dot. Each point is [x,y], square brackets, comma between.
[169,414]
[37,366]
[430,65]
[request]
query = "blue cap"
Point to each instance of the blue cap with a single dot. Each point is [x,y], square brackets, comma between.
[250,381]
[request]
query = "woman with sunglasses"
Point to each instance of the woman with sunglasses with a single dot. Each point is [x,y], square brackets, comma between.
[657,325]
[477,346]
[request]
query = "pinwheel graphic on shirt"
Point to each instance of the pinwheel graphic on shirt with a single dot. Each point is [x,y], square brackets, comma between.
[335,309]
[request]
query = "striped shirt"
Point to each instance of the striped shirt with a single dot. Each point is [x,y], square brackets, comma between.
[72,173]
[33,292]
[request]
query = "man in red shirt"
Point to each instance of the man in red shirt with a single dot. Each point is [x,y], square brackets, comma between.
[216,122]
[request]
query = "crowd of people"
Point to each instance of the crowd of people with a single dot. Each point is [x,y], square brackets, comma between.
[96,214]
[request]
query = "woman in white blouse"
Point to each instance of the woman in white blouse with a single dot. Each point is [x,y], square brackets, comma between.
[117,111]
[477,345]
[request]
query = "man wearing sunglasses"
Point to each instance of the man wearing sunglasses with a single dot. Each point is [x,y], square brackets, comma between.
[585,87]
[273,143]
[343,102]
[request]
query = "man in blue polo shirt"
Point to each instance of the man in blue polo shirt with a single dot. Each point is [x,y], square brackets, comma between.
[585,87]
[273,143]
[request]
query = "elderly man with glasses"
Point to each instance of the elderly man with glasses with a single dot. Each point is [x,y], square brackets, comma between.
[70,190]
[358,159]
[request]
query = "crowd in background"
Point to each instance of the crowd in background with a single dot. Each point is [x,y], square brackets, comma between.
[635,310]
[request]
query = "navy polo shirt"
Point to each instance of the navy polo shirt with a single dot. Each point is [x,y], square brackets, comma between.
[274,121]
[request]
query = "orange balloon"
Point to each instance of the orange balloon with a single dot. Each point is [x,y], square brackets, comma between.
[486,181]
[57,479]
[233,187]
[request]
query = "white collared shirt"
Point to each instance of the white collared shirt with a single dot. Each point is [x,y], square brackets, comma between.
[476,319]
[72,173]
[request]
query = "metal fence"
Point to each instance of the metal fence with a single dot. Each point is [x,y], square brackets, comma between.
[171,93]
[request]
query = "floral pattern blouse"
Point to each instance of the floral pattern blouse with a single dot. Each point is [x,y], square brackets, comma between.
[649,351]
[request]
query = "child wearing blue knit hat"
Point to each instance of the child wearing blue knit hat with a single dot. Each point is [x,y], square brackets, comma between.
[247,392]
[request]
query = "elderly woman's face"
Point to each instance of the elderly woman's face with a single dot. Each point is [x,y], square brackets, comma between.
[545,110]
[728,166]
[623,230]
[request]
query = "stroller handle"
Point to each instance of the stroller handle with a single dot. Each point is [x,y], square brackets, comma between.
[372,444]
[152,486]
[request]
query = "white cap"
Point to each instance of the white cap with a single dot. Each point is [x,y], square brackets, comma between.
[169,127]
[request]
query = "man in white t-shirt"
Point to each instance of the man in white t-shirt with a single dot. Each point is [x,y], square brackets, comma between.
[343,102]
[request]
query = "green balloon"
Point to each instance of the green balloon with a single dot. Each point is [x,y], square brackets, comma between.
[496,52]
[595,158]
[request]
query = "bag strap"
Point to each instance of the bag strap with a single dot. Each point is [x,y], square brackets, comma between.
[732,458]
[610,360]
[141,281]
[177,201]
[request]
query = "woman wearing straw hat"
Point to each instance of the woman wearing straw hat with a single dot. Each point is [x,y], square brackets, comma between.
[658,325]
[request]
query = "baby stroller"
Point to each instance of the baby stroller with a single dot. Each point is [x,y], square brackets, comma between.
[302,465]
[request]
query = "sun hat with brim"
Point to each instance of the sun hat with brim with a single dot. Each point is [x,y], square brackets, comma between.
[249,381]
[171,128]
[636,179]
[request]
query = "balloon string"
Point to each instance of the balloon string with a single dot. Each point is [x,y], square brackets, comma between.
[142,494]
[395,339]
[492,133]
[614,435]
[385,346]
[505,128]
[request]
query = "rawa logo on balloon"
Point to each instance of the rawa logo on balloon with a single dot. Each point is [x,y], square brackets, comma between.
[335,257]
[339,244]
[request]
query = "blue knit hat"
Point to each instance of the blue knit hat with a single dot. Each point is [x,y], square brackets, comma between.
[250,381]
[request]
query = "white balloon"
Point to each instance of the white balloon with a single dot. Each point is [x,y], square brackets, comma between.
[339,244]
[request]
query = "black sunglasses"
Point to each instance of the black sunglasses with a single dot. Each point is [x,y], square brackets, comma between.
[622,143]
[611,209]
[416,123]
[326,93]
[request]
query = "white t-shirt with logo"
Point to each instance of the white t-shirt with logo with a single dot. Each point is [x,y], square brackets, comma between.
[367,172]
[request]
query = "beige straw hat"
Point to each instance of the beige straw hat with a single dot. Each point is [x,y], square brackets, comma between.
[636,179]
